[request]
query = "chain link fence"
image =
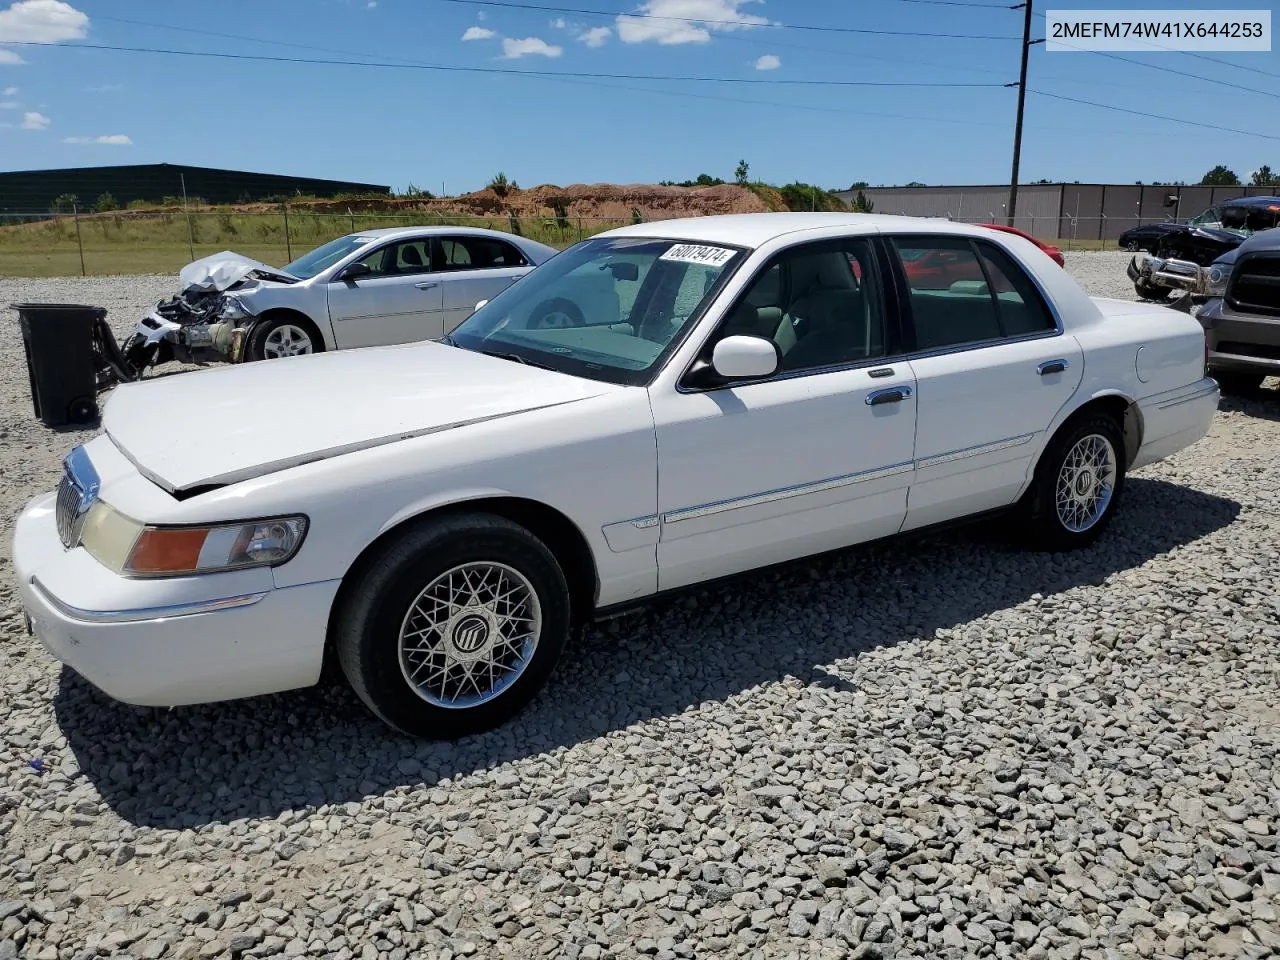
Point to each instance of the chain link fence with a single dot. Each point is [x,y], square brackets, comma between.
[163,241]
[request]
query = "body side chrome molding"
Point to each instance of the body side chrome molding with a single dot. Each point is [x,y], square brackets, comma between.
[146,613]
[977,451]
[785,493]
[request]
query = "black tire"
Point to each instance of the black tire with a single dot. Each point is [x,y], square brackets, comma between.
[1042,521]
[82,410]
[1150,291]
[379,604]
[1239,384]
[1133,246]
[564,312]
[257,346]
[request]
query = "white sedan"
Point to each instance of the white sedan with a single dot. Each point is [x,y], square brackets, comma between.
[442,516]
[372,288]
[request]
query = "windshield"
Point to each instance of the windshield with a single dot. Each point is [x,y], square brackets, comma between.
[608,308]
[323,257]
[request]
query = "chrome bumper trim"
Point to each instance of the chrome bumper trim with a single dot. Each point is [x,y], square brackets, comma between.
[145,613]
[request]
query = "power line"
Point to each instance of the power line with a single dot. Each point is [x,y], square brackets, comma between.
[963,3]
[402,65]
[511,5]
[1153,116]
[1228,63]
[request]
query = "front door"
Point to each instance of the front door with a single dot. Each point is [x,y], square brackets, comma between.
[400,301]
[818,456]
[992,371]
[473,268]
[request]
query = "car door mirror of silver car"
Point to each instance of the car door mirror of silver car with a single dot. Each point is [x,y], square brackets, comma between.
[745,358]
[479,306]
[354,271]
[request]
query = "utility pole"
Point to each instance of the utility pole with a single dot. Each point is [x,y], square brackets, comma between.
[1022,100]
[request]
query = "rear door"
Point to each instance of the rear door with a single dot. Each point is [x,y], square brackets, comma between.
[399,302]
[471,269]
[992,369]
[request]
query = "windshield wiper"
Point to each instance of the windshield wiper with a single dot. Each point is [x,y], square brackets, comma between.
[515,357]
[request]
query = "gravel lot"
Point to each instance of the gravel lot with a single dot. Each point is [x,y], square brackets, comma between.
[943,749]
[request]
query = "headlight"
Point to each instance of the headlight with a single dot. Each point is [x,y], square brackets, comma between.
[233,308]
[1219,274]
[134,549]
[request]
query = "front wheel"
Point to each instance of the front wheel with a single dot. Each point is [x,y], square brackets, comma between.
[557,314]
[282,337]
[1150,291]
[1240,384]
[455,627]
[1077,484]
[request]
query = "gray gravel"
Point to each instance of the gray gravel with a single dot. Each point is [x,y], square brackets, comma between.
[944,749]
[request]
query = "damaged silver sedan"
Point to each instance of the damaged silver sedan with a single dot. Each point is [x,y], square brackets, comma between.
[373,288]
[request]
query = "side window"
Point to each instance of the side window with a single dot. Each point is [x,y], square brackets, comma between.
[412,256]
[819,303]
[951,302]
[1021,308]
[477,253]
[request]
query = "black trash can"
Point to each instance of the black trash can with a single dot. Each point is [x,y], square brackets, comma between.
[58,340]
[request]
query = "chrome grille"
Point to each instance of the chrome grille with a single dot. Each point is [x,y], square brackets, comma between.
[76,494]
[67,509]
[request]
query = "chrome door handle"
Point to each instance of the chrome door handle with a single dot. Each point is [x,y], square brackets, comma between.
[1052,366]
[888,395]
[426,284]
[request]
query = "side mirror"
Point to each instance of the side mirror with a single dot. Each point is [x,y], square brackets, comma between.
[479,306]
[745,358]
[354,271]
[625,271]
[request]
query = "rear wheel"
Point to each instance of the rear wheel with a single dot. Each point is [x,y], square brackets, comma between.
[1077,484]
[556,314]
[455,627]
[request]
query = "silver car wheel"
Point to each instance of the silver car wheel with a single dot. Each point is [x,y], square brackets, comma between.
[286,340]
[470,635]
[1086,483]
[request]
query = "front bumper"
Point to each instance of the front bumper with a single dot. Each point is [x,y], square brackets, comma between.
[1178,274]
[166,642]
[1240,342]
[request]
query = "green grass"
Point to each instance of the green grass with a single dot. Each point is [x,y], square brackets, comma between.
[163,242]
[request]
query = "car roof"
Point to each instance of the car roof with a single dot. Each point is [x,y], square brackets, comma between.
[756,229]
[1252,202]
[437,230]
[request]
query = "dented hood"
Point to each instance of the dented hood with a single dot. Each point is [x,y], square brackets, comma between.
[221,271]
[228,424]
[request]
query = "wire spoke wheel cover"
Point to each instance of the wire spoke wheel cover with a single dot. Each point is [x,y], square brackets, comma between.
[1086,483]
[286,340]
[470,635]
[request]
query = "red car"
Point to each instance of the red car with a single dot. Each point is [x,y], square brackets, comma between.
[1054,253]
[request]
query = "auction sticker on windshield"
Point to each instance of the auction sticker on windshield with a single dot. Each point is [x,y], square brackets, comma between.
[696,253]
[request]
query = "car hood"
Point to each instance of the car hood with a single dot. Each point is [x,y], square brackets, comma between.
[221,271]
[206,429]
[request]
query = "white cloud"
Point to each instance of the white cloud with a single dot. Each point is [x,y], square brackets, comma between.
[482,15]
[371,4]
[478,33]
[769,61]
[105,88]
[688,21]
[559,23]
[528,47]
[596,36]
[111,140]
[9,91]
[42,21]
[9,104]
[9,57]
[35,121]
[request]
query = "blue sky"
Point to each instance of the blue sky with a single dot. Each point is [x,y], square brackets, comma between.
[62,106]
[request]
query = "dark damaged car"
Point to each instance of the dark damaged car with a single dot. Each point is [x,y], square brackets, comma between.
[1241,317]
[1184,254]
